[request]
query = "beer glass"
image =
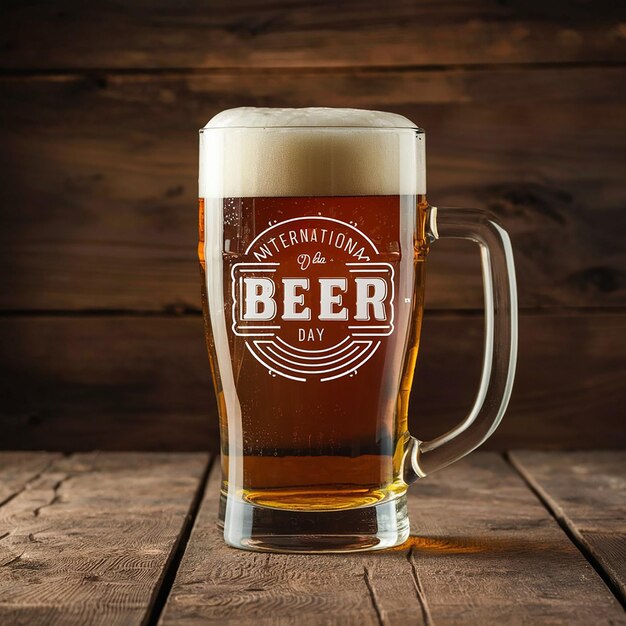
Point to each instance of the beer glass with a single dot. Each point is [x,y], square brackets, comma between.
[314,234]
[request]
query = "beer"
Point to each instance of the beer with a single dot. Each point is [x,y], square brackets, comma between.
[322,295]
[319,429]
[314,229]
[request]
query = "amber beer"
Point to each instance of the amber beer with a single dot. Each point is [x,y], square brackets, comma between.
[321,427]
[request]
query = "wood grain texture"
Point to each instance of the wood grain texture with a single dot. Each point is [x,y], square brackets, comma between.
[88,541]
[18,469]
[483,551]
[292,33]
[99,177]
[144,382]
[586,491]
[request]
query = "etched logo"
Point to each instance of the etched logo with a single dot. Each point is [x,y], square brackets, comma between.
[312,301]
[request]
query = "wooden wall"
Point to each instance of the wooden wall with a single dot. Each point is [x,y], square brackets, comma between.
[524,107]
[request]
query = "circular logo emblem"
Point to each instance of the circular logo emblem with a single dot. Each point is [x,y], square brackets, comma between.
[311,299]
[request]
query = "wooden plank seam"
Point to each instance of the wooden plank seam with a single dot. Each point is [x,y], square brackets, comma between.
[168,575]
[566,525]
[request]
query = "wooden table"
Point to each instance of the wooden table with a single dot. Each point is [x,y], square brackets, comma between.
[125,538]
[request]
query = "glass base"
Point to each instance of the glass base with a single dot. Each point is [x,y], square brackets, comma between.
[250,527]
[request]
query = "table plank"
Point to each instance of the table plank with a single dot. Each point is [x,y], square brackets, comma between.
[149,378]
[117,173]
[89,541]
[18,469]
[586,492]
[293,33]
[483,550]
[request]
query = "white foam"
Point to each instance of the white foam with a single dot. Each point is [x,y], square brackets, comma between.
[253,117]
[259,152]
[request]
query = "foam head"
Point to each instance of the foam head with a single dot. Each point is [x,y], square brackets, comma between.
[263,152]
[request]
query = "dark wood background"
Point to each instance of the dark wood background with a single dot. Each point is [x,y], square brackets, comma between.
[524,107]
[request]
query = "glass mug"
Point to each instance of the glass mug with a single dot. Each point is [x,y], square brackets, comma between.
[314,231]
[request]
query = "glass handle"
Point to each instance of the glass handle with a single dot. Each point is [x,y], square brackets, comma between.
[500,346]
